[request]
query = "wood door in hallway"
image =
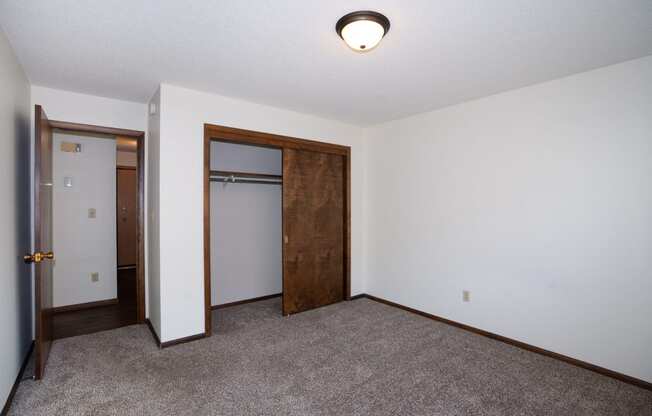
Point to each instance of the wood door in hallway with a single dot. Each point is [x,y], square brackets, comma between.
[43,241]
[127,215]
[313,229]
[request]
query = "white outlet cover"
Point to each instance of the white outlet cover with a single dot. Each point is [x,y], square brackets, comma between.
[67,182]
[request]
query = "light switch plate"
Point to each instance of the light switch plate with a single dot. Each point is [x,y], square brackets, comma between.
[67,182]
[466,296]
[95,277]
[92,213]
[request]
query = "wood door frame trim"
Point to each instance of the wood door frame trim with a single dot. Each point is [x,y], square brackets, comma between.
[217,133]
[91,128]
[208,326]
[140,168]
[257,138]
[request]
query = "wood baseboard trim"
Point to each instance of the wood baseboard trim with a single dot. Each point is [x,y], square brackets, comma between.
[182,340]
[174,341]
[582,364]
[360,296]
[87,305]
[154,334]
[242,302]
[19,378]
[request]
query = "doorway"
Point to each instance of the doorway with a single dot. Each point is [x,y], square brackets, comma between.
[78,287]
[315,212]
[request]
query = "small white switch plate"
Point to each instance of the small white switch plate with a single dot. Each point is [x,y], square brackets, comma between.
[92,213]
[95,277]
[67,182]
[466,296]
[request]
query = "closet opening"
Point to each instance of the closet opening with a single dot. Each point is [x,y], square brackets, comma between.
[277,222]
[245,223]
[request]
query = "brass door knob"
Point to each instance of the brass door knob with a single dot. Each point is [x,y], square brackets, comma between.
[38,257]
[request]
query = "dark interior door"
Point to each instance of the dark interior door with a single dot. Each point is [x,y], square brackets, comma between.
[43,256]
[127,190]
[313,230]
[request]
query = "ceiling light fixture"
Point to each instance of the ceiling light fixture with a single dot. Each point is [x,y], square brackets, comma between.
[362,30]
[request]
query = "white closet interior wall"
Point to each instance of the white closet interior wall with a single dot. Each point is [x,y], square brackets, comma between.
[246,220]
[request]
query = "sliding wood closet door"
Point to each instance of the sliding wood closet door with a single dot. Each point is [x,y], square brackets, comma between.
[313,229]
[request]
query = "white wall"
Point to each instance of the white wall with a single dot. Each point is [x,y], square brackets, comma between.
[243,158]
[183,114]
[15,234]
[84,245]
[538,201]
[246,226]
[88,109]
[153,208]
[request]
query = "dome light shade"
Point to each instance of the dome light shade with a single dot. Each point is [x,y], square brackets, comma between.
[362,30]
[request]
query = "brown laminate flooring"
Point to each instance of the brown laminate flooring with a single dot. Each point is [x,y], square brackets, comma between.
[87,321]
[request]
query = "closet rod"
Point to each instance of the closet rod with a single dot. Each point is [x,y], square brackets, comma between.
[235,179]
[247,175]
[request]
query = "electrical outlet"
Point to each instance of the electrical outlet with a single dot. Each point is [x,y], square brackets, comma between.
[95,277]
[466,296]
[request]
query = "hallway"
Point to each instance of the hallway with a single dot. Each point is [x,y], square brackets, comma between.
[87,321]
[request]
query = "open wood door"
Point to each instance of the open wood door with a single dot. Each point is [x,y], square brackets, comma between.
[42,256]
[313,229]
[127,215]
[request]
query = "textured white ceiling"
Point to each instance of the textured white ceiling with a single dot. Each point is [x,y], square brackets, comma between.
[286,52]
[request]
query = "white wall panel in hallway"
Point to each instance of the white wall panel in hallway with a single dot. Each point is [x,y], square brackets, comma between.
[84,245]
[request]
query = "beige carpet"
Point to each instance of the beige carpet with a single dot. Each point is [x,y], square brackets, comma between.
[353,358]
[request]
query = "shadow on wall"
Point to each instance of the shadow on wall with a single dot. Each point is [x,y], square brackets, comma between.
[23,193]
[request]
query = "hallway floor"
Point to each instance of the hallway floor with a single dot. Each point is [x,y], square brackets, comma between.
[87,321]
[351,358]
